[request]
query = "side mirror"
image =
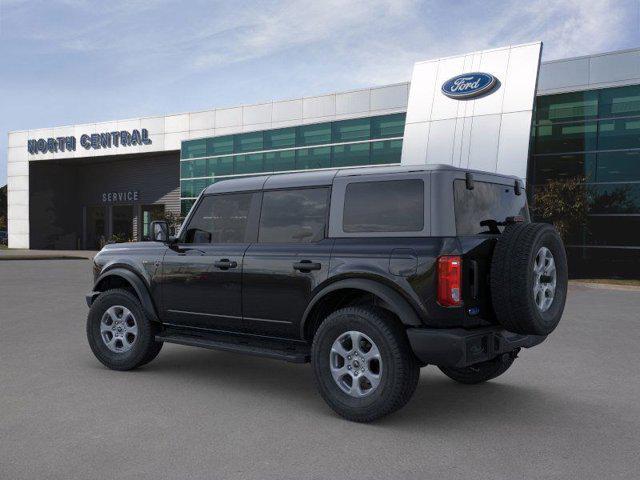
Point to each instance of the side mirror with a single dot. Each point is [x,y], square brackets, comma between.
[159,231]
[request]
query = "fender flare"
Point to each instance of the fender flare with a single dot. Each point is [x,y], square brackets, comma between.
[136,282]
[396,302]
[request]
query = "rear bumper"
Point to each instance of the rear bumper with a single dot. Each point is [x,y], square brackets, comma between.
[457,347]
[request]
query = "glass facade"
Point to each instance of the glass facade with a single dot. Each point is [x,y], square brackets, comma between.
[594,136]
[362,141]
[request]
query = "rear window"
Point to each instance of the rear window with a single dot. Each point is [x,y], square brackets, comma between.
[386,206]
[487,201]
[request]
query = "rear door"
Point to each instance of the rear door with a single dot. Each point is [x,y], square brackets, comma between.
[290,258]
[202,273]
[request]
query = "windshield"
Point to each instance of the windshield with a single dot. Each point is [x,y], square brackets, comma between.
[487,201]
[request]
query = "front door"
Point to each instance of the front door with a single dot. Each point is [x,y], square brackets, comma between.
[290,259]
[202,272]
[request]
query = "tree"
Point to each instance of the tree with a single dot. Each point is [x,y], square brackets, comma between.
[564,203]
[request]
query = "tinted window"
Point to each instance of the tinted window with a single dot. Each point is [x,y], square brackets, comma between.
[390,206]
[220,219]
[296,216]
[487,201]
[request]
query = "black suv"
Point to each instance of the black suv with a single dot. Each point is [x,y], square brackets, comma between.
[368,273]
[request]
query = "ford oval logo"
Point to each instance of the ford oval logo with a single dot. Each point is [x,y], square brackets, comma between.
[469,85]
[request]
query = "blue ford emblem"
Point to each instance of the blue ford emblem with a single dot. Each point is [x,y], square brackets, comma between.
[468,85]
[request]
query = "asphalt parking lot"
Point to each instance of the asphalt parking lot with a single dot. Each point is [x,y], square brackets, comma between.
[568,409]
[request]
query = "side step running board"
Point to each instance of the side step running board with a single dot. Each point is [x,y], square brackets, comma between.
[287,351]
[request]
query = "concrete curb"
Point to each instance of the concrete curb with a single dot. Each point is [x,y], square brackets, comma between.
[606,286]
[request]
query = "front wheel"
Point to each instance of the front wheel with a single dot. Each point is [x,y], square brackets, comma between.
[119,333]
[363,364]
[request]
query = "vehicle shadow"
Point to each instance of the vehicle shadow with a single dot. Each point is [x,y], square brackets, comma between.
[437,403]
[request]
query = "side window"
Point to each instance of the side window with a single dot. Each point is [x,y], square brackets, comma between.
[384,206]
[220,219]
[294,216]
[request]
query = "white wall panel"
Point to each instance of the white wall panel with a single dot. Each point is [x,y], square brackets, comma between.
[18,139]
[392,96]
[17,168]
[228,117]
[253,114]
[314,107]
[173,141]
[562,74]
[17,154]
[154,125]
[514,143]
[414,145]
[520,83]
[441,141]
[18,240]
[352,102]
[483,143]
[287,111]
[494,62]
[614,67]
[422,92]
[202,120]
[176,123]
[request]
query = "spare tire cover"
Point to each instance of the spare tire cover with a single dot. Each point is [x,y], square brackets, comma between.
[528,278]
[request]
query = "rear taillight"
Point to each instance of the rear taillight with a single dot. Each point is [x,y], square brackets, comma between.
[449,280]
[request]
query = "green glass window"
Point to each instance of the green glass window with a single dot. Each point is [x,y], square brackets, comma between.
[280,161]
[198,186]
[387,126]
[620,102]
[185,206]
[350,155]
[574,137]
[313,134]
[615,134]
[614,198]
[186,169]
[308,158]
[557,167]
[351,130]
[194,148]
[220,166]
[280,138]
[618,166]
[220,145]
[388,151]
[253,163]
[186,188]
[193,168]
[566,107]
[248,142]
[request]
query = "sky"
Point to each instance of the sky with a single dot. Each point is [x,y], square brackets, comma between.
[65,62]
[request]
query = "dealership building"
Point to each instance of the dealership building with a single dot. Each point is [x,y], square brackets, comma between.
[76,187]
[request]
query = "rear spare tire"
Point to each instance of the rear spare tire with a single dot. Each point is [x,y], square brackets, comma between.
[529,278]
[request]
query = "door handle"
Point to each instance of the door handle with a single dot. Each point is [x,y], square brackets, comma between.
[306,266]
[225,264]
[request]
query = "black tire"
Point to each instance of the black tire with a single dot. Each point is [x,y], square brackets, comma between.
[512,278]
[480,372]
[144,348]
[400,371]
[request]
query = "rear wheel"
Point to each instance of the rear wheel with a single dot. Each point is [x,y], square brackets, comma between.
[480,372]
[119,333]
[363,364]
